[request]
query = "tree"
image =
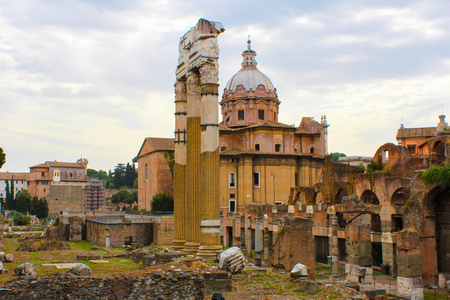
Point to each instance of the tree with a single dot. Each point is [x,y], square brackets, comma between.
[119,176]
[132,198]
[21,219]
[23,202]
[120,197]
[2,157]
[9,200]
[162,202]
[39,207]
[170,158]
[335,156]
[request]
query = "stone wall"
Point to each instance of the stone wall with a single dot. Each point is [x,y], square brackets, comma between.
[295,244]
[140,233]
[66,198]
[163,230]
[156,285]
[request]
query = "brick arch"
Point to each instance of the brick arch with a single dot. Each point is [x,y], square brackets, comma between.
[369,197]
[400,196]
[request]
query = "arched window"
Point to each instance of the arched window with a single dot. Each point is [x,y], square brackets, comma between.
[311,150]
[146,171]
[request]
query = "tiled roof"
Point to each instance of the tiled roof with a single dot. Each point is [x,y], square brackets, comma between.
[64,164]
[267,123]
[161,143]
[424,132]
[16,175]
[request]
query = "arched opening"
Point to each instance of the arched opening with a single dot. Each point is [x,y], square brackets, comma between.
[370,197]
[340,195]
[439,149]
[311,150]
[400,196]
[436,234]
[223,148]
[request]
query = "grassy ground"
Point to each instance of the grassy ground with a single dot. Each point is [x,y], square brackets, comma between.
[115,265]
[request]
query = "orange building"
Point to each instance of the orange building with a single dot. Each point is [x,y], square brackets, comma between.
[154,174]
[42,176]
[419,141]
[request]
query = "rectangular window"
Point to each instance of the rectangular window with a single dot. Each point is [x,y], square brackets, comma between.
[412,149]
[241,115]
[277,148]
[232,205]
[70,174]
[256,179]
[278,202]
[233,196]
[257,147]
[232,180]
[42,174]
[261,114]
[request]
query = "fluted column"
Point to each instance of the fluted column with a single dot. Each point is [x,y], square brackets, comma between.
[210,214]
[193,168]
[179,177]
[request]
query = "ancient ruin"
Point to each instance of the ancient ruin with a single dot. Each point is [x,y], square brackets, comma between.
[197,141]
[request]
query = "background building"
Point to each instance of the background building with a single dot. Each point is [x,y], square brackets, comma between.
[154,171]
[20,182]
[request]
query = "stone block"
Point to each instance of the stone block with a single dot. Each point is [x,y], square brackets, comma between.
[2,256]
[308,286]
[372,293]
[9,257]
[410,288]
[218,281]
[442,281]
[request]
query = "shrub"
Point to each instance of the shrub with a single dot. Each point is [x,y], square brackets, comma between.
[437,175]
[21,219]
[162,202]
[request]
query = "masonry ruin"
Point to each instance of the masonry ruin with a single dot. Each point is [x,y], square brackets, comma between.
[196,171]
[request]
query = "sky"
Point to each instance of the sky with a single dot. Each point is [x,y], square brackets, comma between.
[94,78]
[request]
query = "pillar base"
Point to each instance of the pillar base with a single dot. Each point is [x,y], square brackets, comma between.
[209,251]
[410,288]
[191,248]
[178,245]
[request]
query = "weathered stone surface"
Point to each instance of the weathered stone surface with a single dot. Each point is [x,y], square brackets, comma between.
[9,257]
[80,270]
[410,288]
[308,286]
[296,234]
[156,285]
[33,245]
[232,260]
[26,269]
[2,256]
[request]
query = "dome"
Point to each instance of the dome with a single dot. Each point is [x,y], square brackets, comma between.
[250,79]
[249,76]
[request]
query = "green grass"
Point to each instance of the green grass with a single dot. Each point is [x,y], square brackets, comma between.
[430,296]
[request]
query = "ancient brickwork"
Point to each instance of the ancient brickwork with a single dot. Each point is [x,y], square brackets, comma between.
[119,234]
[163,231]
[295,244]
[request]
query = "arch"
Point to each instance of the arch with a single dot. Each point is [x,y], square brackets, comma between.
[439,149]
[223,147]
[370,197]
[400,196]
[437,209]
[340,195]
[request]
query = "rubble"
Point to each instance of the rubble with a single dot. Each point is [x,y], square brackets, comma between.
[80,270]
[33,245]
[26,269]
[299,270]
[232,260]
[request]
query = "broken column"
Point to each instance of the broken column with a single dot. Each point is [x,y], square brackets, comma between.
[409,265]
[358,244]
[198,68]
[334,245]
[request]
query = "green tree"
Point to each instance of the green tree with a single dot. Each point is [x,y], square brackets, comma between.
[2,157]
[120,197]
[170,158]
[39,207]
[119,176]
[9,200]
[23,202]
[21,219]
[162,202]
[437,175]
[132,198]
[335,156]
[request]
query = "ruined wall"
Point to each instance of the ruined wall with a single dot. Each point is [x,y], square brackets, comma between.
[140,233]
[163,231]
[156,285]
[66,198]
[295,244]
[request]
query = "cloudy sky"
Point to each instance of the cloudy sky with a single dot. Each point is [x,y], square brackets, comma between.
[94,78]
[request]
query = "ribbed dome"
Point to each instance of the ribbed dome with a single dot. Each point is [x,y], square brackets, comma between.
[249,76]
[250,79]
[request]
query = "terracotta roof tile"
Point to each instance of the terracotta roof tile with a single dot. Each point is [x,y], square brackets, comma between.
[423,132]
[64,164]
[161,143]
[17,176]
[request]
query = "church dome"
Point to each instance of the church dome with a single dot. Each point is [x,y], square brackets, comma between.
[249,76]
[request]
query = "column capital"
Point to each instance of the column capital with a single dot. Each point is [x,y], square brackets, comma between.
[180,90]
[209,73]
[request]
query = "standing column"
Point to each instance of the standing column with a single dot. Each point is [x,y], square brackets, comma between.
[180,166]
[210,214]
[334,246]
[193,178]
